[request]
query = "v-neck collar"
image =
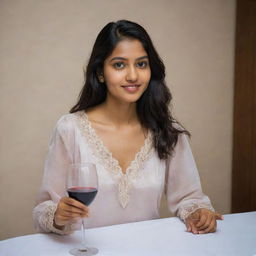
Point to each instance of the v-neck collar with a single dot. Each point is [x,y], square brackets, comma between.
[109,153]
[110,163]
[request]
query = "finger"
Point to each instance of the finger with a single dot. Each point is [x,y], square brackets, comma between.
[207,222]
[62,220]
[202,221]
[210,229]
[70,215]
[188,226]
[73,215]
[73,202]
[193,227]
[189,229]
[70,211]
[68,208]
[218,216]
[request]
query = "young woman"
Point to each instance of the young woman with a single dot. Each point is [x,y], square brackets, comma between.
[122,123]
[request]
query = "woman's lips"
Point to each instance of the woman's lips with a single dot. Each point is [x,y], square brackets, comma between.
[131,87]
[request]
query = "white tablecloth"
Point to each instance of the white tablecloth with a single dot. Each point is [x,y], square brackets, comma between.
[236,235]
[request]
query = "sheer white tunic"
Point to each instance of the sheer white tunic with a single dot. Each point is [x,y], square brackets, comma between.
[121,198]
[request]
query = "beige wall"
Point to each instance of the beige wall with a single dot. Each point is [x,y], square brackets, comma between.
[43,47]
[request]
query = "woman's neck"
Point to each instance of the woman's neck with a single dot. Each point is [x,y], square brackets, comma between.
[116,113]
[120,114]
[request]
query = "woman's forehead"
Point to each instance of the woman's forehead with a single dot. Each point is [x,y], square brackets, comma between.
[128,49]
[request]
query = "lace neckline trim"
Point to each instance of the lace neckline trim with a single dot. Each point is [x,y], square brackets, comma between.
[111,164]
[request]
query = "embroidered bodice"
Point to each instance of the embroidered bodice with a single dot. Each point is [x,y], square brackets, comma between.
[105,157]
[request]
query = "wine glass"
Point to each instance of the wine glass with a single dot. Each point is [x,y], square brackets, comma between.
[82,185]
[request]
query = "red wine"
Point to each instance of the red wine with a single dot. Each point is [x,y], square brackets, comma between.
[84,195]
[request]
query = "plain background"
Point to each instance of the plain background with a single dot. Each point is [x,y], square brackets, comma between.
[43,49]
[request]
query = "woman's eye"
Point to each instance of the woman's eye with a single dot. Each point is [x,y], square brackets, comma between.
[142,64]
[118,65]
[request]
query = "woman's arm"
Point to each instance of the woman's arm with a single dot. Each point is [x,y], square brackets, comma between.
[183,188]
[60,155]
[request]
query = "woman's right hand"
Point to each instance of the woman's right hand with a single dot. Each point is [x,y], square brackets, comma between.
[68,211]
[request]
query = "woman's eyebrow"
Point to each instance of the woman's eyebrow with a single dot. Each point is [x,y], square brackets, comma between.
[122,58]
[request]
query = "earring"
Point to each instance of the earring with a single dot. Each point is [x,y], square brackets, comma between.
[101,78]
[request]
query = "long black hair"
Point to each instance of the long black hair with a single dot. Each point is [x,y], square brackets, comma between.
[152,107]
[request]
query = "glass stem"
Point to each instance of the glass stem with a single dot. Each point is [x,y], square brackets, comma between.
[83,246]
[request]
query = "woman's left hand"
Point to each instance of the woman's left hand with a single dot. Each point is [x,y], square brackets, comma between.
[202,221]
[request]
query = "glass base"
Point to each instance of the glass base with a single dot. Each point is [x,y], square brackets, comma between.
[88,251]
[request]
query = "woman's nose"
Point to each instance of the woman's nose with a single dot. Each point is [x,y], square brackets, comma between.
[132,74]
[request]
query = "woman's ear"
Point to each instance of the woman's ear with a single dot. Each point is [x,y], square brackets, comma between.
[100,77]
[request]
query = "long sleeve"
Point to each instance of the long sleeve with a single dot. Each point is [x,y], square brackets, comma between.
[183,188]
[60,155]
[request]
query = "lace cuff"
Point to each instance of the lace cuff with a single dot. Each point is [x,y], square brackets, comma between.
[43,215]
[186,210]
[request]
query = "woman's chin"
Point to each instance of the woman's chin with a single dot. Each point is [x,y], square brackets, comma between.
[125,99]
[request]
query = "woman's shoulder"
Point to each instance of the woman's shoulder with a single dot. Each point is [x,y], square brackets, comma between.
[67,122]
[178,126]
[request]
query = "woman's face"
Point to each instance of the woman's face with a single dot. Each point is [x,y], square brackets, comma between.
[126,72]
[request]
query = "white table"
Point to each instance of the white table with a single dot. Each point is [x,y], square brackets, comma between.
[236,235]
